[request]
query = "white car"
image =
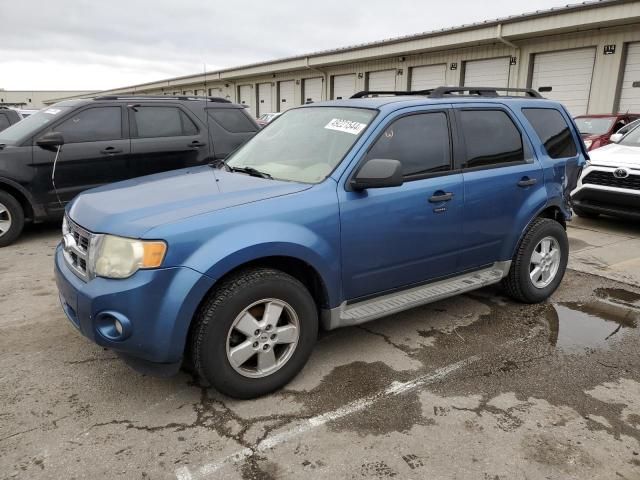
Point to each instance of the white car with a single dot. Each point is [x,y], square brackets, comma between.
[610,182]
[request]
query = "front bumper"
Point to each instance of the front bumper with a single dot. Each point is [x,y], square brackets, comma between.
[606,199]
[158,306]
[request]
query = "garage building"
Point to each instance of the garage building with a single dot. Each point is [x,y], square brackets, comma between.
[588,54]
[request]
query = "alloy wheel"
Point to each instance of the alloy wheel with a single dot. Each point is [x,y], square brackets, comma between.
[262,338]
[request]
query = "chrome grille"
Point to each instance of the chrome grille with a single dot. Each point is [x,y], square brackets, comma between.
[77,246]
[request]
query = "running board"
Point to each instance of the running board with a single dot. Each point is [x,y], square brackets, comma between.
[367,310]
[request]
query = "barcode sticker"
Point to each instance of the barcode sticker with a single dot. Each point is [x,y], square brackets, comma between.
[347,126]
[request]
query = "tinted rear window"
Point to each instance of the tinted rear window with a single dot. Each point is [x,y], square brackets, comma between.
[491,138]
[153,122]
[232,120]
[553,130]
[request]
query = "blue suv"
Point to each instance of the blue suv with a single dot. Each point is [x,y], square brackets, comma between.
[335,214]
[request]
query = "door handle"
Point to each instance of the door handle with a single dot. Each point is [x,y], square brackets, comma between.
[111,150]
[441,197]
[196,144]
[527,182]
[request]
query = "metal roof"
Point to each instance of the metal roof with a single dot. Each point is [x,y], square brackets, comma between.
[414,36]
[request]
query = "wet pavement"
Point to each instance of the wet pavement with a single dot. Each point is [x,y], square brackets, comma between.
[476,386]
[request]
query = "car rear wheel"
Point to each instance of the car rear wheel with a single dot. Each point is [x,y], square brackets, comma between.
[254,333]
[539,263]
[11,219]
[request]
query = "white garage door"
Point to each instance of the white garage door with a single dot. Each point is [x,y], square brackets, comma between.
[568,73]
[344,86]
[430,76]
[312,90]
[487,73]
[383,80]
[215,92]
[285,96]
[630,95]
[264,98]
[245,95]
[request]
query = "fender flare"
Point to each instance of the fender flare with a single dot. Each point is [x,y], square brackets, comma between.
[23,191]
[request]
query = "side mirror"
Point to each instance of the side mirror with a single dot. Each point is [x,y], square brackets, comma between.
[50,141]
[616,137]
[378,173]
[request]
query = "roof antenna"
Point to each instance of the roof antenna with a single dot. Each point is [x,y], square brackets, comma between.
[204,66]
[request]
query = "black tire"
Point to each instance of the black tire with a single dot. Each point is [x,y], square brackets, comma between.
[208,341]
[518,283]
[585,214]
[10,209]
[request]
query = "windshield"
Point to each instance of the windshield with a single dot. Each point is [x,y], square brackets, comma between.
[594,126]
[305,144]
[631,139]
[29,125]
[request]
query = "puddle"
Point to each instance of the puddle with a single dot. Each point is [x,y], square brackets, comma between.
[619,295]
[576,326]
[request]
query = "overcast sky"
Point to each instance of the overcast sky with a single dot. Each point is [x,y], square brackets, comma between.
[101,44]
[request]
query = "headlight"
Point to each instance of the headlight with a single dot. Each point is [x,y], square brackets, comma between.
[118,257]
[588,143]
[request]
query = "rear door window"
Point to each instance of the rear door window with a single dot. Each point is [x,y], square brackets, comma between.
[154,122]
[92,125]
[491,139]
[232,120]
[420,142]
[553,130]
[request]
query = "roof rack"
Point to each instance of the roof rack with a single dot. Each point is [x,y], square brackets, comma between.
[442,92]
[163,97]
[482,91]
[374,93]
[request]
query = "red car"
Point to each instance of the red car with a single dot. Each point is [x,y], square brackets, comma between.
[596,129]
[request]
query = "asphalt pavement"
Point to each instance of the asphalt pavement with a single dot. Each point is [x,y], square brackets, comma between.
[476,387]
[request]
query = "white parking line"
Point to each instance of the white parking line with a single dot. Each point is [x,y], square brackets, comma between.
[396,388]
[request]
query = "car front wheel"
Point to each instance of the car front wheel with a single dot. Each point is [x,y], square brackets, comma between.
[254,333]
[11,219]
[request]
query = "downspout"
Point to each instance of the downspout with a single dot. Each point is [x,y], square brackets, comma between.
[324,76]
[504,40]
[515,47]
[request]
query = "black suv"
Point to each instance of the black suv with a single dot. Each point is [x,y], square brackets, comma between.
[8,117]
[51,156]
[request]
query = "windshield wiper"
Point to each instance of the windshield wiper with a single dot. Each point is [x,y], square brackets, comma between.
[254,172]
[251,171]
[219,162]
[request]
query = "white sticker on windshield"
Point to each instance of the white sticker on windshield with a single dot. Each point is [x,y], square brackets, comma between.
[53,111]
[347,126]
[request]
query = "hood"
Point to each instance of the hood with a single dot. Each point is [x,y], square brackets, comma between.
[615,155]
[132,207]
